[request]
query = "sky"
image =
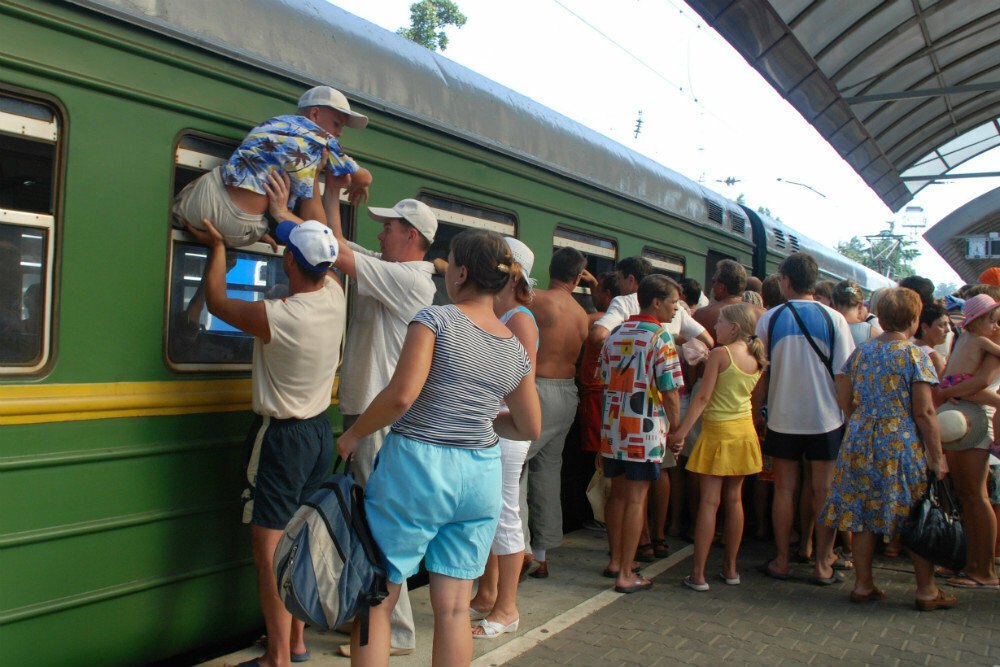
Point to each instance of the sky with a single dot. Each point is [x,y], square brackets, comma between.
[705,112]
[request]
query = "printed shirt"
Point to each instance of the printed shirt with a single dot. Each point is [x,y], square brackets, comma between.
[290,143]
[638,363]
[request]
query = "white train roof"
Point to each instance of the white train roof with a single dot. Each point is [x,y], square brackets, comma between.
[385,71]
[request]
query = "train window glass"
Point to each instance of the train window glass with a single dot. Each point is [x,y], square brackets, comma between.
[662,262]
[711,259]
[601,254]
[29,134]
[455,216]
[195,339]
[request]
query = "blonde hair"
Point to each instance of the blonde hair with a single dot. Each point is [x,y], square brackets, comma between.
[874,299]
[745,319]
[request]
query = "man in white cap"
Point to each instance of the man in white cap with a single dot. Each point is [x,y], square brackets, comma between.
[233,195]
[393,285]
[295,356]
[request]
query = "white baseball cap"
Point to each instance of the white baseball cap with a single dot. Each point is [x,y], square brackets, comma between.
[412,211]
[325,96]
[312,243]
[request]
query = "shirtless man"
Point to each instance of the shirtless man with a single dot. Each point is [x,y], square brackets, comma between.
[728,285]
[562,329]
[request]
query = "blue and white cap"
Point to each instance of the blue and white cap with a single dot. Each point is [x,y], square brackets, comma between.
[312,244]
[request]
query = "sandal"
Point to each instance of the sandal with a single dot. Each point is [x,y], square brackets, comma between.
[644,553]
[660,549]
[492,629]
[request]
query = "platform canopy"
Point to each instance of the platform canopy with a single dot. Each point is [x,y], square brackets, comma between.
[976,219]
[904,90]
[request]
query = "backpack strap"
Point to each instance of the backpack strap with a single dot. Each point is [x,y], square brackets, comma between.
[827,360]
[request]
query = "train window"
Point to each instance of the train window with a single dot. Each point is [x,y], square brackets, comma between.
[670,265]
[601,254]
[29,135]
[455,216]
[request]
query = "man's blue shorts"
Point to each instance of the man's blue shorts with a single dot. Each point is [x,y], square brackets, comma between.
[286,462]
[433,502]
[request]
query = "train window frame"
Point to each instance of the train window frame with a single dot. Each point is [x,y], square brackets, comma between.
[455,219]
[215,152]
[31,116]
[590,245]
[660,260]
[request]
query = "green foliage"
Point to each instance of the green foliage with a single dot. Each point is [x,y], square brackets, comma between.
[896,263]
[427,20]
[944,289]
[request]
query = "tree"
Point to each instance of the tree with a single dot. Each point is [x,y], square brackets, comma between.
[944,289]
[889,254]
[427,20]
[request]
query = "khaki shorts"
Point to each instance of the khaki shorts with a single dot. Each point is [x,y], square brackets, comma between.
[206,197]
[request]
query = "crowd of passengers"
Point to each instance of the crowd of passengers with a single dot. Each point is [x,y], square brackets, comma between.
[456,415]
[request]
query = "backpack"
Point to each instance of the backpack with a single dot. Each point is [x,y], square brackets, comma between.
[327,566]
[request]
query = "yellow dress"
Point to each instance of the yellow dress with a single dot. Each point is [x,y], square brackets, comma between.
[728,442]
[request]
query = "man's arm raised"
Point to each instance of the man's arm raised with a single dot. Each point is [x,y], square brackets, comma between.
[247,316]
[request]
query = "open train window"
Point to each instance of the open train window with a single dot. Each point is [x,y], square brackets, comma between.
[601,254]
[29,142]
[454,216]
[194,339]
[664,263]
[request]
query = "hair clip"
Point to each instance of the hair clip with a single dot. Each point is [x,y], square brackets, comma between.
[503,268]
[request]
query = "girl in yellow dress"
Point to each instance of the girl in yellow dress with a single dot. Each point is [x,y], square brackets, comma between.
[727,449]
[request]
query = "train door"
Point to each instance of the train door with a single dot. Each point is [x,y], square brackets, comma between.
[601,254]
[711,259]
[455,216]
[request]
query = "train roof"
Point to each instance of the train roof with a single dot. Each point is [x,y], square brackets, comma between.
[784,240]
[388,72]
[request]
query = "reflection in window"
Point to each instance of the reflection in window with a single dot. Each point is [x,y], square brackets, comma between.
[664,263]
[23,252]
[194,336]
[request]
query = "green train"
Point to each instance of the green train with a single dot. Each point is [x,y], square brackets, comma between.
[123,404]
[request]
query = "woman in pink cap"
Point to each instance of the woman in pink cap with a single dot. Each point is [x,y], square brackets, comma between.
[972,366]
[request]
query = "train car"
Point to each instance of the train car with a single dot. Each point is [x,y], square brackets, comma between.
[123,403]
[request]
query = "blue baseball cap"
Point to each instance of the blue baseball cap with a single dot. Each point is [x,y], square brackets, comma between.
[312,244]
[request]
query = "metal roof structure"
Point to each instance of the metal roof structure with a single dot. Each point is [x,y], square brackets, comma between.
[904,90]
[949,237]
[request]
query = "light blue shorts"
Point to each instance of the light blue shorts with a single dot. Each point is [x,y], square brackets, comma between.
[438,503]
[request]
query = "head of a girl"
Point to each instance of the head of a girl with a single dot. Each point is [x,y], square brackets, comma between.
[847,297]
[899,311]
[738,321]
[479,261]
[982,316]
[521,283]
[934,324]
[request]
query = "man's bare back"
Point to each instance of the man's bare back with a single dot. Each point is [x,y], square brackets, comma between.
[562,329]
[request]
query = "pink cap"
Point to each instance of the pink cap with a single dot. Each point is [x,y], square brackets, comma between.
[977,306]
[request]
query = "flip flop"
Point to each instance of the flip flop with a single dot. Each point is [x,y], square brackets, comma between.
[636,588]
[842,563]
[969,582]
[828,581]
[872,596]
[735,581]
[765,569]
[644,558]
[301,657]
[611,574]
[492,629]
[701,588]
[660,549]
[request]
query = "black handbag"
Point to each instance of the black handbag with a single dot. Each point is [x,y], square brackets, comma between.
[936,532]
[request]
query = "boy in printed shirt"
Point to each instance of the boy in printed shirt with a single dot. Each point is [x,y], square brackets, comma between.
[234,195]
[641,373]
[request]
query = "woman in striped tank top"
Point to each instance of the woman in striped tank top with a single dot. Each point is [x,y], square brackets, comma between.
[435,491]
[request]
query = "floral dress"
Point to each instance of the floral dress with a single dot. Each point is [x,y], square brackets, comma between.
[881,469]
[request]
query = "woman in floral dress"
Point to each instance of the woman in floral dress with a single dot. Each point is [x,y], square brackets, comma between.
[885,392]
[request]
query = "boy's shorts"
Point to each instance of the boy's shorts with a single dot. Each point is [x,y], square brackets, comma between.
[286,463]
[814,446]
[207,197]
[634,471]
[433,502]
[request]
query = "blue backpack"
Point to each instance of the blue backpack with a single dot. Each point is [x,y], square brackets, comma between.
[327,565]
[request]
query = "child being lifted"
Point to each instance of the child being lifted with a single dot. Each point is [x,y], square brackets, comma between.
[232,195]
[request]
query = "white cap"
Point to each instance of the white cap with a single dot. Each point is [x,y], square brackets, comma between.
[412,211]
[522,255]
[325,96]
[312,243]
